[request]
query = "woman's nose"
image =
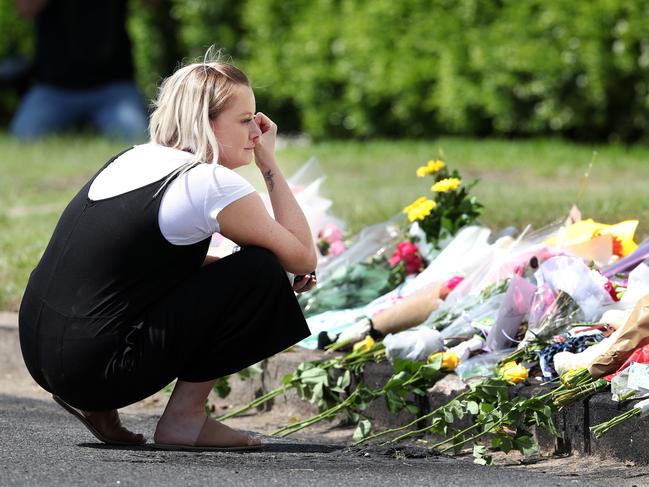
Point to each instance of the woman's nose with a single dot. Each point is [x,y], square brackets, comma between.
[255,131]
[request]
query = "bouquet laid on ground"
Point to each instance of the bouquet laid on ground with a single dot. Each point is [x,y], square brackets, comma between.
[448,208]
[546,291]
[641,409]
[358,275]
[352,286]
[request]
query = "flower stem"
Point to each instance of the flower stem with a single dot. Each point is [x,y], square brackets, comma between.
[257,402]
[603,428]
[412,423]
[472,438]
[570,396]
[457,435]
[377,352]
[294,427]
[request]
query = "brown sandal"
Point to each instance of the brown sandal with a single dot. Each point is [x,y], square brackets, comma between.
[77,414]
[198,446]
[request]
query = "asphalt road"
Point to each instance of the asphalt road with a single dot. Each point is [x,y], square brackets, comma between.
[40,444]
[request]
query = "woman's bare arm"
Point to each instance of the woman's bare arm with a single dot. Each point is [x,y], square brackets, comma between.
[246,222]
[285,207]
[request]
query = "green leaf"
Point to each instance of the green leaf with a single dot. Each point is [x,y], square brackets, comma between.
[526,445]
[412,408]
[402,364]
[430,372]
[315,376]
[345,380]
[222,386]
[472,407]
[436,363]
[362,430]
[486,407]
[394,402]
[502,442]
[396,380]
[448,416]
[317,393]
[248,372]
[481,456]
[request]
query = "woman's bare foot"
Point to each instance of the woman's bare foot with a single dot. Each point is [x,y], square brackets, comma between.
[105,425]
[108,424]
[199,430]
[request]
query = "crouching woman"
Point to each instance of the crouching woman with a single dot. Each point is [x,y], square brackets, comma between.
[125,299]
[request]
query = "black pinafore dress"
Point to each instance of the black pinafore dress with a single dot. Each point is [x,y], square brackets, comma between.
[113,312]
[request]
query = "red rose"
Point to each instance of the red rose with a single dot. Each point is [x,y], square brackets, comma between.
[409,253]
[395,259]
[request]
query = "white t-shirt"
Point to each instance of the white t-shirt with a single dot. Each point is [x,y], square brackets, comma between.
[190,203]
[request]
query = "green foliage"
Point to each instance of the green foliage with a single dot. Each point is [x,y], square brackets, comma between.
[451,208]
[494,415]
[222,385]
[409,377]
[351,286]
[364,68]
[359,68]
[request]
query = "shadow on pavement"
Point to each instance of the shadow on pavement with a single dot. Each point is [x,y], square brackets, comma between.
[266,448]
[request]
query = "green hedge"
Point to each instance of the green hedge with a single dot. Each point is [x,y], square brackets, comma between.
[422,67]
[363,68]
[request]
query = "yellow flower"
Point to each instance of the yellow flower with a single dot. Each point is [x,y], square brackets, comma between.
[581,232]
[365,344]
[430,168]
[444,185]
[450,360]
[513,372]
[435,166]
[420,208]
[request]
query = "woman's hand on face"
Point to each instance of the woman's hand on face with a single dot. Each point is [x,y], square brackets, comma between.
[305,284]
[265,146]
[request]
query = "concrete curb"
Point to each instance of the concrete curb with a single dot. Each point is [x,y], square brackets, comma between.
[627,442]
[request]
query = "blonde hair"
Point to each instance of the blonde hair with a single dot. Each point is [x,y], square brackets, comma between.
[187,103]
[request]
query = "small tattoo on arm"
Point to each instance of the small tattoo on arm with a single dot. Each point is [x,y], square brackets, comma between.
[269,180]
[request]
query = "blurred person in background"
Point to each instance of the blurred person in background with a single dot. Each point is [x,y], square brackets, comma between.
[84,71]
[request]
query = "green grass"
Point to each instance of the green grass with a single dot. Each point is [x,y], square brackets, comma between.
[531,181]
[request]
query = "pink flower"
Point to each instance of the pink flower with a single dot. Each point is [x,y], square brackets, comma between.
[453,282]
[610,288]
[336,248]
[407,249]
[409,253]
[331,233]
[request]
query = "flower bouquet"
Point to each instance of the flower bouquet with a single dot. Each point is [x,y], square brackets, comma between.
[450,207]
[357,276]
